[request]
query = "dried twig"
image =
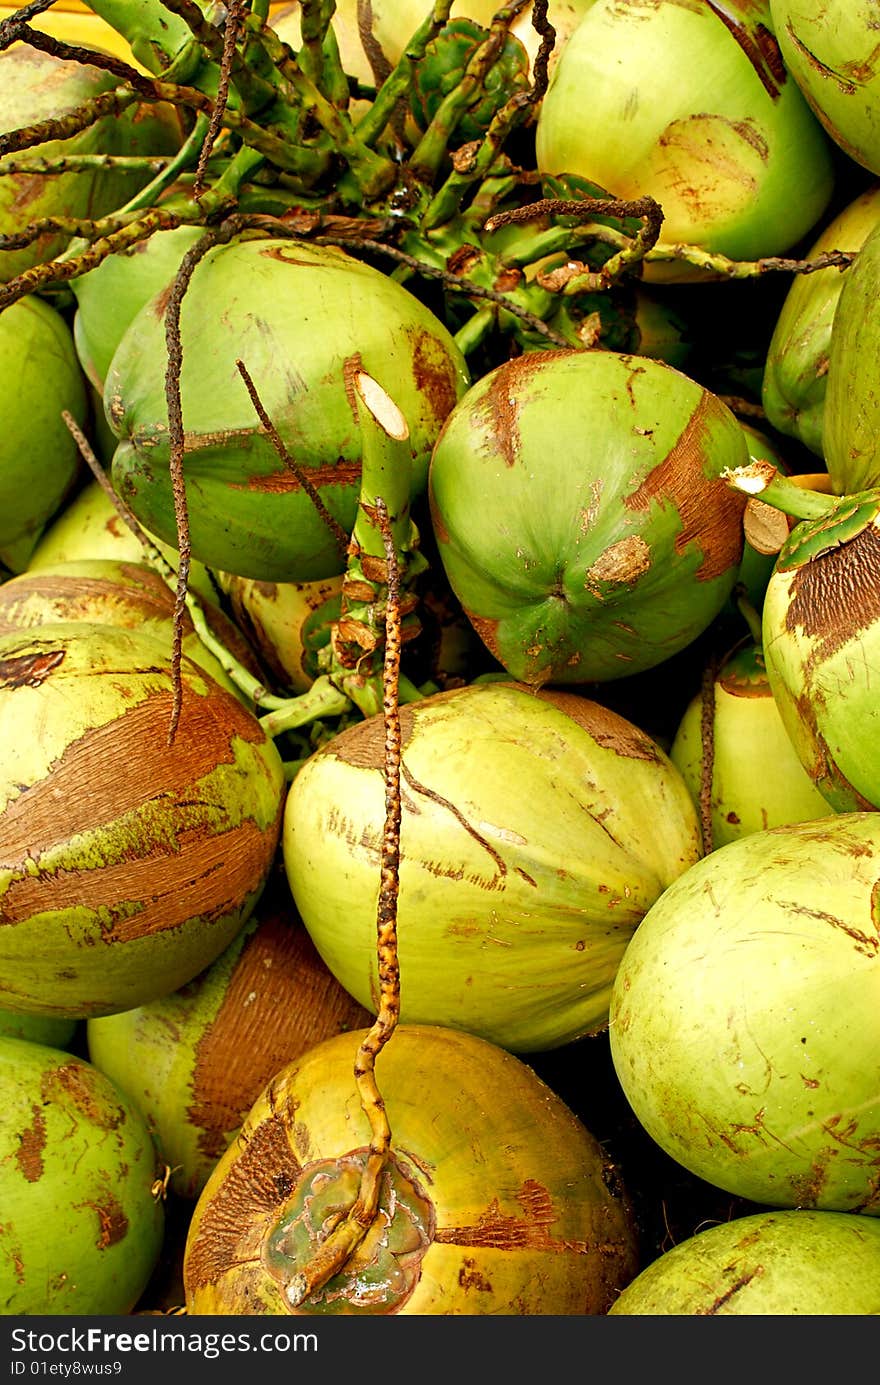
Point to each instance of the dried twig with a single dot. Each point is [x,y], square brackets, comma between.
[707,752]
[293,466]
[230,38]
[335,1250]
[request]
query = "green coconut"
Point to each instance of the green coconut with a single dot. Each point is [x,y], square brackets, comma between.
[757,778]
[791,1263]
[796,368]
[495,1198]
[692,107]
[744,1023]
[830,48]
[128,862]
[82,1225]
[852,395]
[39,460]
[107,591]
[301,318]
[580,516]
[821,642]
[194,1062]
[525,866]
[36,86]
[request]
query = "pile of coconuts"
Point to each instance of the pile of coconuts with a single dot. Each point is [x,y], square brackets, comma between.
[440,558]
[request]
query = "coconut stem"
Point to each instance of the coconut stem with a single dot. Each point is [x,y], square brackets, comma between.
[386,468]
[759,478]
[720,267]
[333,1253]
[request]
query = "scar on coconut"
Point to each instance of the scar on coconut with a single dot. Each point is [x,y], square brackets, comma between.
[349,1230]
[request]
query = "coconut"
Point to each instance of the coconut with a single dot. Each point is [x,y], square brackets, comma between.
[287,623]
[268,303]
[744,1022]
[693,107]
[128,862]
[757,778]
[83,1221]
[852,406]
[39,461]
[830,48]
[36,86]
[797,363]
[792,1263]
[525,865]
[579,513]
[104,591]
[821,642]
[495,1197]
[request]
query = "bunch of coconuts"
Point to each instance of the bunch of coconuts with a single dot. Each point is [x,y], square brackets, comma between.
[557,879]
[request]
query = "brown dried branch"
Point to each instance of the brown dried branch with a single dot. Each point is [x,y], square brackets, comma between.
[10,26]
[71,52]
[213,236]
[113,236]
[541,24]
[379,63]
[333,1253]
[230,38]
[299,472]
[52,272]
[707,755]
[579,209]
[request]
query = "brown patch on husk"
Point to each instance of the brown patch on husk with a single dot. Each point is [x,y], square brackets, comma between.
[31,1143]
[710,510]
[257,1183]
[497,409]
[78,1084]
[137,737]
[29,670]
[236,860]
[623,562]
[608,729]
[338,473]
[760,47]
[280,1001]
[500,1231]
[112,1222]
[835,596]
[434,375]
